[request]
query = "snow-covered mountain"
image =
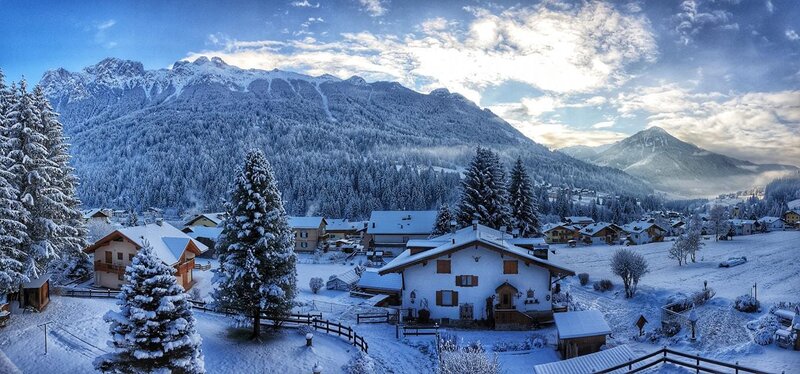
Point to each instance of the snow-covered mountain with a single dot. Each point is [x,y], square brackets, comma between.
[679,167]
[173,137]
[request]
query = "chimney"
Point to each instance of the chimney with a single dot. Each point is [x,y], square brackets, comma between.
[453,225]
[373,225]
[474,225]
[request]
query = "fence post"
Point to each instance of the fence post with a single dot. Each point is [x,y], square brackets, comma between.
[737,367]
[397,331]
[697,370]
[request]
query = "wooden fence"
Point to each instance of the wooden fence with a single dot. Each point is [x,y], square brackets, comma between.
[202,267]
[666,355]
[110,294]
[376,317]
[342,330]
[419,330]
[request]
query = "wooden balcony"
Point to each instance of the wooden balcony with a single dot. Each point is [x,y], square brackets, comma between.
[109,268]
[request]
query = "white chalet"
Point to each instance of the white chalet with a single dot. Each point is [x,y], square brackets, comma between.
[769,224]
[390,230]
[742,226]
[643,232]
[475,273]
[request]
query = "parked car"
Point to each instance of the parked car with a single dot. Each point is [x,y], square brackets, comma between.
[733,261]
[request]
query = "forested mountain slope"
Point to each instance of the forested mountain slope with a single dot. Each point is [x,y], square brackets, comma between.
[173,137]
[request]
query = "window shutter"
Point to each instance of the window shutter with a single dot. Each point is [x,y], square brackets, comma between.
[458,280]
[455,298]
[443,266]
[438,297]
[475,280]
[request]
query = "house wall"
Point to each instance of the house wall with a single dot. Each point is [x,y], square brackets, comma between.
[424,281]
[203,221]
[560,236]
[112,280]
[392,244]
[307,240]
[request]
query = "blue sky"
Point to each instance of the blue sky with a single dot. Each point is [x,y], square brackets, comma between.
[723,74]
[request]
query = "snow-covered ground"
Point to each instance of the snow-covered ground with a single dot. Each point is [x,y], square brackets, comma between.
[772,262]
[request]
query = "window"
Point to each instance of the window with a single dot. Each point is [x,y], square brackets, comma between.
[109,257]
[510,267]
[130,257]
[303,245]
[304,234]
[467,280]
[443,266]
[119,256]
[447,298]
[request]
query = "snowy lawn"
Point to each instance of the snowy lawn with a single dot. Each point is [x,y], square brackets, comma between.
[78,326]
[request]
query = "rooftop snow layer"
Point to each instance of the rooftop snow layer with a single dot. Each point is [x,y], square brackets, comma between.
[342,224]
[389,282]
[590,363]
[204,232]
[165,239]
[581,324]
[401,222]
[305,222]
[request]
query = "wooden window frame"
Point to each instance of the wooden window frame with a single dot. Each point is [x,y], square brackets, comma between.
[510,267]
[453,298]
[441,265]
[466,280]
[109,257]
[120,256]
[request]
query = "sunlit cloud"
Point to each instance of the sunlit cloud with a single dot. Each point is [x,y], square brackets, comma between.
[374,8]
[304,4]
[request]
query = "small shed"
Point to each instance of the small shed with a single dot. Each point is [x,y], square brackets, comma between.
[36,293]
[389,284]
[580,332]
[590,363]
[344,281]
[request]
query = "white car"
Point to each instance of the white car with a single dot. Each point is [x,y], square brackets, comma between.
[733,261]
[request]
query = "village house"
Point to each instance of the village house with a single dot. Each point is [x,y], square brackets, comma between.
[676,227]
[742,226]
[578,220]
[600,233]
[474,274]
[643,232]
[580,332]
[344,281]
[372,283]
[309,233]
[560,233]
[792,218]
[116,250]
[388,231]
[769,224]
[206,235]
[97,215]
[341,228]
[207,220]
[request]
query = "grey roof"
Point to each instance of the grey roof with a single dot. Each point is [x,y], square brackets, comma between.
[342,224]
[402,222]
[388,282]
[38,282]
[349,277]
[305,222]
[590,363]
[581,324]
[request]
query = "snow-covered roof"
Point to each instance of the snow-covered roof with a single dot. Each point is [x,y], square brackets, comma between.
[305,222]
[471,234]
[527,241]
[349,277]
[640,226]
[401,222]
[551,226]
[770,220]
[581,324]
[389,282]
[590,363]
[342,224]
[597,227]
[92,212]
[739,222]
[204,232]
[217,218]
[576,219]
[424,243]
[38,282]
[168,242]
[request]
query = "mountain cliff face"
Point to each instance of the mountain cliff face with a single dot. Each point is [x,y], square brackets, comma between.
[173,138]
[679,167]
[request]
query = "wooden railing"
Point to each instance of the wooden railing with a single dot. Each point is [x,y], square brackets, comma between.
[419,330]
[376,317]
[511,316]
[202,267]
[109,294]
[695,362]
[342,330]
[110,268]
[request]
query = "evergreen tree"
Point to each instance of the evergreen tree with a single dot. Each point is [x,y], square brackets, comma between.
[69,233]
[133,219]
[443,220]
[483,193]
[12,230]
[523,206]
[257,261]
[33,172]
[154,331]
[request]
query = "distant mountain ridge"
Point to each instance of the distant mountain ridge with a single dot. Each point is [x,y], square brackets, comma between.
[173,137]
[679,167]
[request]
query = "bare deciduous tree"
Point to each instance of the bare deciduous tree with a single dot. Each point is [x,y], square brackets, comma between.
[630,266]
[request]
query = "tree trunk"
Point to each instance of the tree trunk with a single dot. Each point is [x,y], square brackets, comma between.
[257,324]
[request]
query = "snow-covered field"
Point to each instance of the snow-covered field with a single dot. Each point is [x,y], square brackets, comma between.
[78,332]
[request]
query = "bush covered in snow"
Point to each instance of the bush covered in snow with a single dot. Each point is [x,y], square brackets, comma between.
[361,363]
[584,278]
[764,329]
[603,285]
[316,284]
[533,341]
[630,266]
[468,361]
[746,303]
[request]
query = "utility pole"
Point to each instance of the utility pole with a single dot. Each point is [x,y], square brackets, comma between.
[45,334]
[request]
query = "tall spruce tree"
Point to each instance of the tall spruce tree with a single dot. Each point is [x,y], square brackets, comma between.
[257,262]
[12,229]
[483,192]
[33,173]
[69,233]
[524,212]
[154,331]
[443,220]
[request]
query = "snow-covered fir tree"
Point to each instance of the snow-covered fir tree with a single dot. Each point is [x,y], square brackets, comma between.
[444,219]
[524,212]
[257,271]
[154,331]
[483,192]
[69,233]
[694,237]
[12,229]
[132,220]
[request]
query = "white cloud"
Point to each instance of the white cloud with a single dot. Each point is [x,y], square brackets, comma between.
[100,33]
[603,125]
[304,4]
[792,35]
[374,8]
[574,50]
[691,20]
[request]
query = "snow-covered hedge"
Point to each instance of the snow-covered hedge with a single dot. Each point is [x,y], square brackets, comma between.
[746,303]
[361,363]
[315,284]
[603,285]
[764,329]
[533,341]
[584,278]
[468,361]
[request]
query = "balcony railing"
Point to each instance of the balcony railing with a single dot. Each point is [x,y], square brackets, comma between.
[109,268]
